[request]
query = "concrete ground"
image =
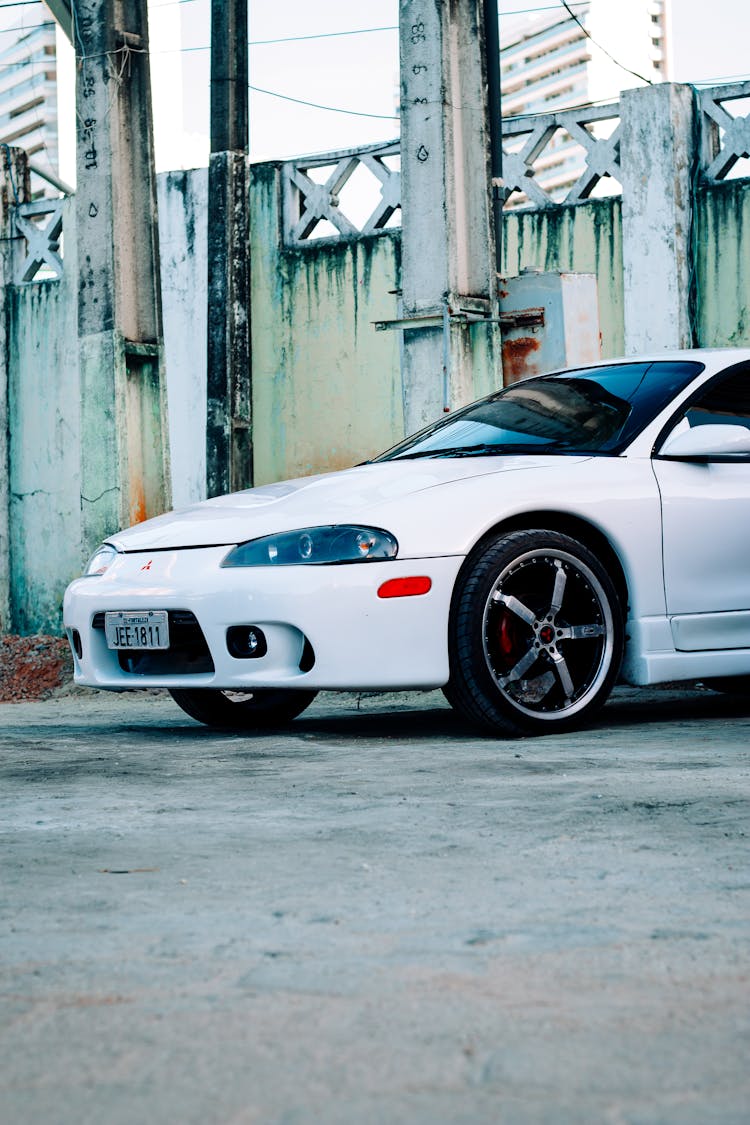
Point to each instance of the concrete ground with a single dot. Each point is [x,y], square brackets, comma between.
[377,916]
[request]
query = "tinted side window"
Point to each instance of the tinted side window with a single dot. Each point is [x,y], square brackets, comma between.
[726,401]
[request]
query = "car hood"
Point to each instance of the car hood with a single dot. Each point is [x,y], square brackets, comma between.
[380,494]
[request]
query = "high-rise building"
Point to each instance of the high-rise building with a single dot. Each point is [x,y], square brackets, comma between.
[558,59]
[29,88]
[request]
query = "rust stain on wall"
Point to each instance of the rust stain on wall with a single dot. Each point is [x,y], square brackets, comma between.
[517,358]
[138,512]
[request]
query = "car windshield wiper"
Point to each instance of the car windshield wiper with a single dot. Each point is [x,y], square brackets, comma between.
[486,449]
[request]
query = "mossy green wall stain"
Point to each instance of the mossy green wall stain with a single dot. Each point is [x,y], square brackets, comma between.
[44,443]
[181,183]
[722,263]
[326,384]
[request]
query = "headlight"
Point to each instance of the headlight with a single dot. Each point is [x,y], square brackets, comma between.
[101,560]
[315,545]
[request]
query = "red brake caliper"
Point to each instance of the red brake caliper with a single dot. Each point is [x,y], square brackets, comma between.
[507,636]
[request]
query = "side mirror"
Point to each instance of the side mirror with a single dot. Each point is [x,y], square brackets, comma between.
[707,442]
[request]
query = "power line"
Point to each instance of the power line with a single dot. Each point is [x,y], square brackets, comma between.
[544,8]
[320,35]
[49,60]
[627,69]
[719,81]
[330,108]
[285,39]
[25,27]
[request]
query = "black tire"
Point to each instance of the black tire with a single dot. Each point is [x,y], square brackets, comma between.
[731,685]
[250,710]
[536,634]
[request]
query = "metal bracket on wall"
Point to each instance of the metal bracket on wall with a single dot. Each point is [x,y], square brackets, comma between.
[522,318]
[472,310]
[141,350]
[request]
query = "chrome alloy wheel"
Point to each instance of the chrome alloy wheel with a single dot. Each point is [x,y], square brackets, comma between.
[548,634]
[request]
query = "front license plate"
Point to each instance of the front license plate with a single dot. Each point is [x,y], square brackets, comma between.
[134,629]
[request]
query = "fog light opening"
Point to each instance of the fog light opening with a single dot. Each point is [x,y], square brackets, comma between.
[246,642]
[75,643]
[307,660]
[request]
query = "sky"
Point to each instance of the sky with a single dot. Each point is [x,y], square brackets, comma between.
[352,72]
[357,73]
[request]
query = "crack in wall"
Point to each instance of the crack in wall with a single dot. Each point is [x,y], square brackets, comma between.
[96,499]
[33,492]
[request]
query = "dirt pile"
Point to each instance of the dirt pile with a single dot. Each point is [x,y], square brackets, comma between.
[33,668]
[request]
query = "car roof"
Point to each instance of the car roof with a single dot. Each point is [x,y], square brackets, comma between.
[708,356]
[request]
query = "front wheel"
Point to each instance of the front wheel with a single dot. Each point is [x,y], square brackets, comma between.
[536,634]
[243,710]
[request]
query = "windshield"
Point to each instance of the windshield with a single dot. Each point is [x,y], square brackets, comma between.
[592,410]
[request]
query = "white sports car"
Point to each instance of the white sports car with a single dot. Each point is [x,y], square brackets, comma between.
[521,553]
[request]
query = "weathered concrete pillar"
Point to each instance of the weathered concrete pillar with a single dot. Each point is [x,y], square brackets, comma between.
[14,189]
[124,455]
[658,149]
[229,443]
[448,268]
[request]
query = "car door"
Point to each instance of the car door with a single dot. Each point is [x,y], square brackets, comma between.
[706,524]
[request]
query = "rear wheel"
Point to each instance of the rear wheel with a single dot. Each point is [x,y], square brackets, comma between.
[243,710]
[536,634]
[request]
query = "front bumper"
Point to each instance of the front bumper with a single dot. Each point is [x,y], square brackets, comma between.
[329,619]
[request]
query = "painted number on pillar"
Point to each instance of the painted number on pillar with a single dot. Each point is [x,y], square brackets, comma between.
[88,124]
[420,70]
[87,137]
